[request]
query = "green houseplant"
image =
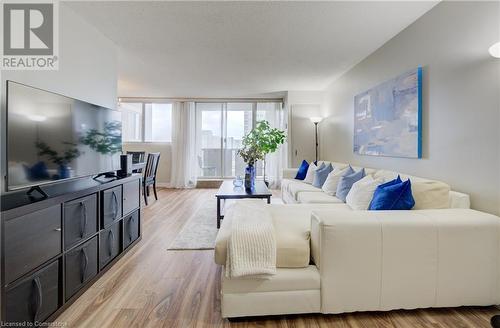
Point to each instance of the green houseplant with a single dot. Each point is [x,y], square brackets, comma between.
[259,142]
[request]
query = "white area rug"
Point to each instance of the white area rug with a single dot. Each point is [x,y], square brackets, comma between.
[200,230]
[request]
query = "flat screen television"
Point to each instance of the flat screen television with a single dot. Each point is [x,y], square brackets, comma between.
[52,138]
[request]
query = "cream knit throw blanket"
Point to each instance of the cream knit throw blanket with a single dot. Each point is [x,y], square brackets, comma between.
[251,249]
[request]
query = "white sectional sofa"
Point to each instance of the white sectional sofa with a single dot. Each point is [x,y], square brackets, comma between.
[348,260]
[428,193]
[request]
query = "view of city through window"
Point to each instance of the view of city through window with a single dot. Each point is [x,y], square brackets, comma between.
[146,122]
[220,130]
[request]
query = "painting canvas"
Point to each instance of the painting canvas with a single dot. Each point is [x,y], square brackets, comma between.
[388,118]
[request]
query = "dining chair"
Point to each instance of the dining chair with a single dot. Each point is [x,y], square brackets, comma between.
[149,177]
[137,157]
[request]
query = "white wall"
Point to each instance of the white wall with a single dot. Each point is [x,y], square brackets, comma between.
[87,67]
[461,107]
[300,105]
[304,97]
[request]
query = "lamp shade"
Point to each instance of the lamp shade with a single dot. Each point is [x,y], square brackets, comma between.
[316,119]
[495,50]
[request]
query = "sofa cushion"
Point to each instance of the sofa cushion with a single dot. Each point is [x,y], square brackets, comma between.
[391,182]
[285,184]
[302,171]
[331,182]
[428,194]
[308,197]
[292,226]
[284,280]
[459,200]
[310,173]
[368,171]
[320,175]
[294,188]
[346,182]
[361,193]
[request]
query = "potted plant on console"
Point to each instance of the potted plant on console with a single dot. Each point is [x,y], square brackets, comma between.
[262,140]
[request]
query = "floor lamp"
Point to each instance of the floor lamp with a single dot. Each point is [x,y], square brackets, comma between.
[316,120]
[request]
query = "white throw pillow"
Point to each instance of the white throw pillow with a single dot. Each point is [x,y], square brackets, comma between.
[310,173]
[361,193]
[331,182]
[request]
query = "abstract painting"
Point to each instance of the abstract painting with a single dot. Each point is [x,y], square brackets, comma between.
[388,118]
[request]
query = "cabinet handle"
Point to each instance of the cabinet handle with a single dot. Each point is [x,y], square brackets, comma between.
[85,265]
[115,202]
[83,224]
[39,297]
[130,228]
[111,239]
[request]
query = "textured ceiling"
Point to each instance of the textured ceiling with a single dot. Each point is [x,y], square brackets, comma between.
[231,49]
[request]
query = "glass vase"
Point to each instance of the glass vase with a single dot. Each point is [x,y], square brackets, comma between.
[250,177]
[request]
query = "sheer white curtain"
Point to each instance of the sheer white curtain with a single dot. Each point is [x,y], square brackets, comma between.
[184,164]
[274,161]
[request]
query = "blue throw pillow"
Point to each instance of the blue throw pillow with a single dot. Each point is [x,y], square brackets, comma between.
[302,172]
[346,182]
[390,183]
[349,171]
[320,176]
[395,196]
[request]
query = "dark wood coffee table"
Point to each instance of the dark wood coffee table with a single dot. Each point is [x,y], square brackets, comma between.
[228,191]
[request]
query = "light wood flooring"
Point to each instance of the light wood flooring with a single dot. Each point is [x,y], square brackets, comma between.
[153,287]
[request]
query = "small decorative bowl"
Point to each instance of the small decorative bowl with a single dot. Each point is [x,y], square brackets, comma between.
[238,182]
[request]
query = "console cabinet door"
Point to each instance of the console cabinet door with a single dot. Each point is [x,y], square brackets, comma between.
[130,229]
[31,240]
[109,244]
[80,266]
[35,298]
[111,205]
[80,219]
[131,196]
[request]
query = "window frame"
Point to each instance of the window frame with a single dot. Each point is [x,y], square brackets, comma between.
[143,119]
[224,111]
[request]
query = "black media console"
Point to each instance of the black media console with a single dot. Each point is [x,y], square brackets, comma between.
[53,248]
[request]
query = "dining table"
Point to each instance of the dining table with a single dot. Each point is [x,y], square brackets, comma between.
[138,166]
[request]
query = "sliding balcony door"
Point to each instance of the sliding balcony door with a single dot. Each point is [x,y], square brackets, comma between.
[238,123]
[209,139]
[220,128]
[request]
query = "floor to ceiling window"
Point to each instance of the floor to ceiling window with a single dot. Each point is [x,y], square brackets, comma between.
[220,128]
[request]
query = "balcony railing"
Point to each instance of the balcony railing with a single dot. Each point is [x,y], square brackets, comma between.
[210,163]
